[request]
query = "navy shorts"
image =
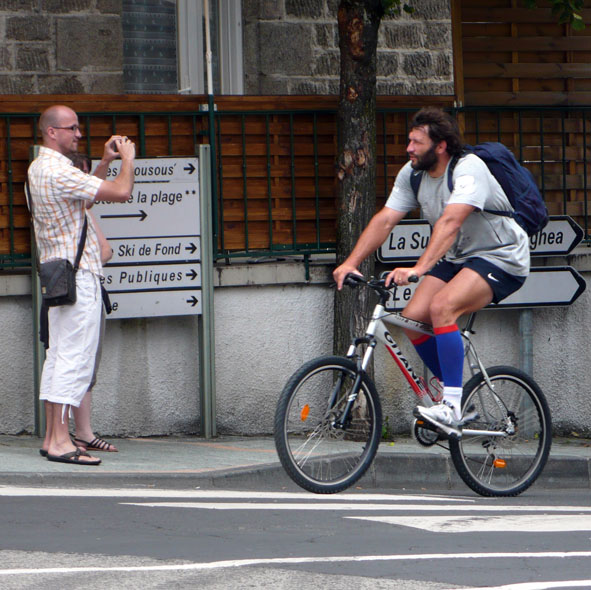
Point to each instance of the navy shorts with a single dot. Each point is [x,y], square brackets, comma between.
[502,283]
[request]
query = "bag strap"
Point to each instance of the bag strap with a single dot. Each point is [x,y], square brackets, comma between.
[81,241]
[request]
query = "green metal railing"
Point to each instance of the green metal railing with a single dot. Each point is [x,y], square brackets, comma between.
[98,126]
[262,154]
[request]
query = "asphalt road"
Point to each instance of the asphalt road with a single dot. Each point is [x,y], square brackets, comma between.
[154,538]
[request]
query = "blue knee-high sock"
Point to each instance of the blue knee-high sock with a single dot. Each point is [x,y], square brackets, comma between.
[450,349]
[426,347]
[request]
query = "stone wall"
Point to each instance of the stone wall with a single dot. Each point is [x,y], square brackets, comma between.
[61,47]
[292,47]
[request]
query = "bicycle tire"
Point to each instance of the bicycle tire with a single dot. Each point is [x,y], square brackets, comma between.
[316,454]
[494,466]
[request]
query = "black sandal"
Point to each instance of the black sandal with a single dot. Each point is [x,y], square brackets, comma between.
[73,457]
[97,444]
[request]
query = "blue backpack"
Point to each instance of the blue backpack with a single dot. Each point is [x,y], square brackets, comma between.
[516,181]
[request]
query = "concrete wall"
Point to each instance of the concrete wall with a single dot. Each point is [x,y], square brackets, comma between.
[149,382]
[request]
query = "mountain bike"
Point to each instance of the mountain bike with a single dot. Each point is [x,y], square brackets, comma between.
[328,420]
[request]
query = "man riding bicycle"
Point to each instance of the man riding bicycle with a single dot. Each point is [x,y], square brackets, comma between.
[473,257]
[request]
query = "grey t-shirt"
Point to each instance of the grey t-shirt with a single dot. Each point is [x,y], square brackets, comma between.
[495,238]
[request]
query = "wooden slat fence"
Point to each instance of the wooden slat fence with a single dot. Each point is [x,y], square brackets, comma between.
[506,54]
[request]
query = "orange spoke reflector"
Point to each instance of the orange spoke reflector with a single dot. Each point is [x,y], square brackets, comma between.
[500,463]
[304,413]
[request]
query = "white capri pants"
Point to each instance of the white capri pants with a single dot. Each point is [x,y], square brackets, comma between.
[74,332]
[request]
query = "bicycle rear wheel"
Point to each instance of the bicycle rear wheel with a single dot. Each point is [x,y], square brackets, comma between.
[318,452]
[509,464]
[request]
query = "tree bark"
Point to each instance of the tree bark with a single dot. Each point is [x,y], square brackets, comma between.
[358,21]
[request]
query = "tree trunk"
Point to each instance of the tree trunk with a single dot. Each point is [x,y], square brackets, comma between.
[359,21]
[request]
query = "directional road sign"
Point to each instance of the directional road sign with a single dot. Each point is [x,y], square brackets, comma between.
[546,286]
[409,239]
[156,239]
[558,238]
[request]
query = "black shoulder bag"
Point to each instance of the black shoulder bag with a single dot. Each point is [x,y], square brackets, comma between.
[58,277]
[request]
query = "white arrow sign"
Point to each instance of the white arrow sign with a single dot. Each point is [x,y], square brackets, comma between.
[172,170]
[409,238]
[545,286]
[155,236]
[151,208]
[407,241]
[164,249]
[559,237]
[155,303]
[150,277]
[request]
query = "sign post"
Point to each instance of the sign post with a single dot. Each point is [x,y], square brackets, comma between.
[206,320]
[163,259]
[38,348]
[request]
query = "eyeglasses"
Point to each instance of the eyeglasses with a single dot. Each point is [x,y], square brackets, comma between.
[73,128]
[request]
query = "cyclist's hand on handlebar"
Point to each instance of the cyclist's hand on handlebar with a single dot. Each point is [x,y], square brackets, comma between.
[340,272]
[402,276]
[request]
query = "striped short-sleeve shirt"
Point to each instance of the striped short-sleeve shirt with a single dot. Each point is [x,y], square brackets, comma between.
[60,193]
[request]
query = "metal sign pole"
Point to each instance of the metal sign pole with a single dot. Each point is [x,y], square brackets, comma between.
[38,348]
[206,320]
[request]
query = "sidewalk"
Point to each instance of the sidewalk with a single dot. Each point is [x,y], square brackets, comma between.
[234,462]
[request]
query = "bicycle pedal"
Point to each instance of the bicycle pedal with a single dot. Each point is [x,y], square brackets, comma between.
[471,416]
[422,423]
[449,431]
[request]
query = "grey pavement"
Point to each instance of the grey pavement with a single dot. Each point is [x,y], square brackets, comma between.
[234,462]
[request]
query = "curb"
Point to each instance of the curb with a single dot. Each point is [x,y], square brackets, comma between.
[387,471]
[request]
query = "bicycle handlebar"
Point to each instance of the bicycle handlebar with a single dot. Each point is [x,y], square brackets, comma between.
[378,285]
[352,280]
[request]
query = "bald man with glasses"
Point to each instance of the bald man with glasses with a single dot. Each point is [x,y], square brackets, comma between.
[61,194]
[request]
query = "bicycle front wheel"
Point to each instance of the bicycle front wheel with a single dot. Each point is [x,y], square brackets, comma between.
[323,450]
[511,450]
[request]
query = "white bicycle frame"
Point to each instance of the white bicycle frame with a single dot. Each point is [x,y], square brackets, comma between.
[378,332]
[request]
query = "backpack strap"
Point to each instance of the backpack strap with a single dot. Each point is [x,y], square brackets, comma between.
[417,175]
[415,181]
[450,171]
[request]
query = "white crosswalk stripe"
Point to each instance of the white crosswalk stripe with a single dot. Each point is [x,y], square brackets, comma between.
[488,524]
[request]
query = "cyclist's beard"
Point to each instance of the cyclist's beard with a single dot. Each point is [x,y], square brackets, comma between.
[426,161]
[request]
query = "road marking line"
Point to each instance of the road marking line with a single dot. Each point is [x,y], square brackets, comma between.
[135,493]
[538,585]
[295,560]
[488,524]
[357,507]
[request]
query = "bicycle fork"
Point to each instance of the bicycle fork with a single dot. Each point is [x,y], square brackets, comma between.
[362,363]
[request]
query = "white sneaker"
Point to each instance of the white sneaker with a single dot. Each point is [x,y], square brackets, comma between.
[439,414]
